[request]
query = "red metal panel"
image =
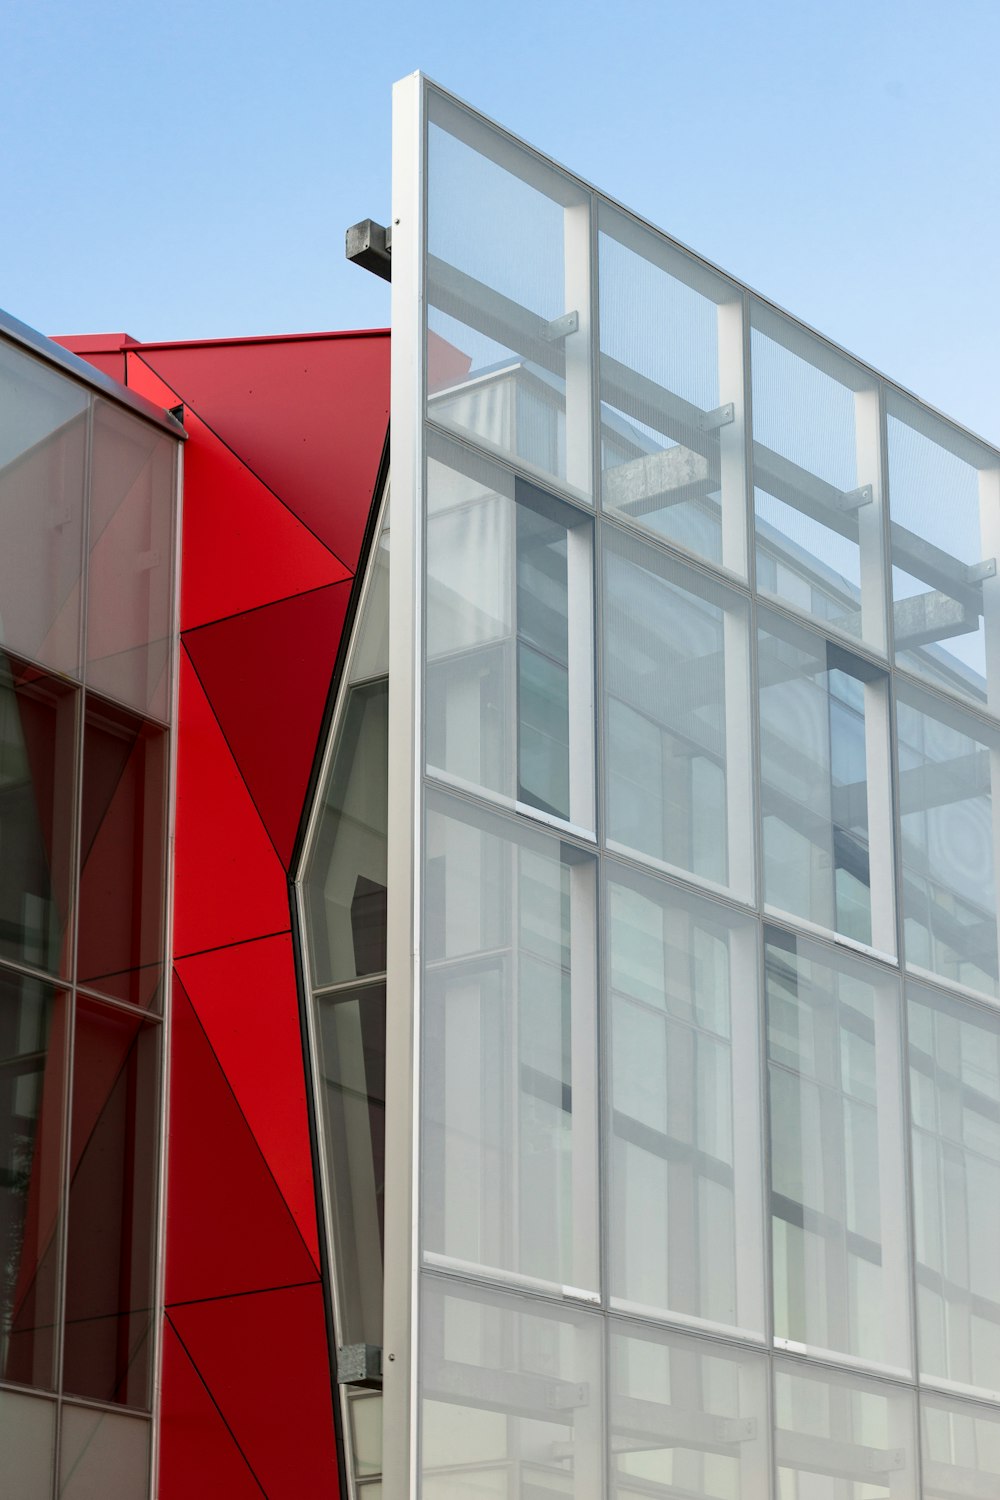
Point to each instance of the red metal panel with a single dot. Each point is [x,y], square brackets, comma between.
[265,1361]
[267,674]
[246,1001]
[229,883]
[229,514]
[307,416]
[199,1458]
[228,1228]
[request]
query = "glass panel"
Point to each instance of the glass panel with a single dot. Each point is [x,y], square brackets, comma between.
[688,1418]
[508,315]
[840,1437]
[352,1067]
[122,854]
[37,754]
[671,392]
[130,601]
[511,1397]
[27,1442]
[103,1453]
[944,501]
[819,709]
[345,883]
[32,1080]
[43,452]
[503,662]
[685,1226]
[816,479]
[955,1089]
[509,1152]
[371,647]
[366,1430]
[112,1199]
[837,1167]
[677,724]
[945,781]
[961,1446]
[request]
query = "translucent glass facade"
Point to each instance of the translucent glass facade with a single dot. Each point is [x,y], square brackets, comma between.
[87,517]
[692,1054]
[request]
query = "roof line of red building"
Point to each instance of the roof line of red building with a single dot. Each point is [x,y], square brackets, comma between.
[108,343]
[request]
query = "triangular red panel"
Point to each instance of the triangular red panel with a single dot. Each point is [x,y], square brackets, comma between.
[242,547]
[308,416]
[198,1458]
[246,1000]
[268,1368]
[228,1228]
[230,885]
[267,675]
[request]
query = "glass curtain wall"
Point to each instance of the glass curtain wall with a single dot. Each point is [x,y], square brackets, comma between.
[342,912]
[690,791]
[87,514]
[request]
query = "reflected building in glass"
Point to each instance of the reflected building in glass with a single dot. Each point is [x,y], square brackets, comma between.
[578,865]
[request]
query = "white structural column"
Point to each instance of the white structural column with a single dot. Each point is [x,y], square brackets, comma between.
[399,1459]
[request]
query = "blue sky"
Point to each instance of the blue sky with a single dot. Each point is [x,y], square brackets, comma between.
[189,168]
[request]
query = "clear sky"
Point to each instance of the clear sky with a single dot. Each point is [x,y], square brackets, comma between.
[189,168]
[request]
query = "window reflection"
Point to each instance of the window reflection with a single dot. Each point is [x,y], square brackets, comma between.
[685,1166]
[955,1089]
[837,1165]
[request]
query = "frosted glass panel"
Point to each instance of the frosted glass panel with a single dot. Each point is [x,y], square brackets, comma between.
[508,318]
[511,1397]
[944,503]
[685,1163]
[102,1454]
[509,671]
[671,383]
[27,1443]
[955,1088]
[816,479]
[961,1448]
[677,741]
[837,1201]
[820,727]
[43,455]
[687,1418]
[509,1028]
[841,1437]
[945,777]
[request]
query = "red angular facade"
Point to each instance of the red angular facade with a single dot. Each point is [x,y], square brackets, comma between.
[286,439]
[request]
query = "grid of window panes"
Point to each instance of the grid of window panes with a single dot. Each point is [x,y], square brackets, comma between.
[87,506]
[709,1131]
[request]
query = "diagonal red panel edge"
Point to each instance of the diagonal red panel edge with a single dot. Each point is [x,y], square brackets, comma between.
[308,416]
[265,1360]
[247,1001]
[228,1227]
[267,675]
[229,885]
[199,1459]
[241,546]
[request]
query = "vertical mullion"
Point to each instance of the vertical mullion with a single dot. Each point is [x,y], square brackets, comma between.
[405,824]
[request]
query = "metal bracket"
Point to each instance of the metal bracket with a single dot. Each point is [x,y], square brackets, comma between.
[855,499]
[360,1364]
[711,421]
[980,571]
[369,245]
[561,328]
